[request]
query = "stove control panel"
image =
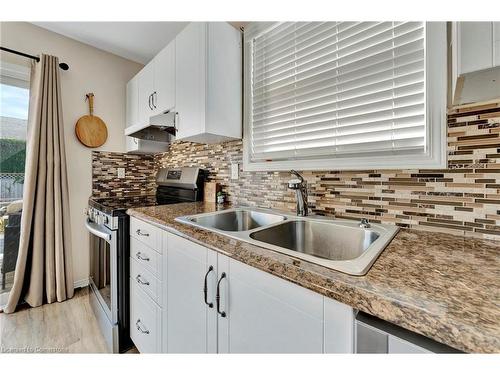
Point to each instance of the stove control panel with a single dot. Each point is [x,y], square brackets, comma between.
[101,218]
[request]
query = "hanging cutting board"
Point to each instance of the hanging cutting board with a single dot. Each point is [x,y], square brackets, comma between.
[90,130]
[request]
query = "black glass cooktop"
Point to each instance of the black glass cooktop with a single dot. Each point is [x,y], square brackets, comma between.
[116,206]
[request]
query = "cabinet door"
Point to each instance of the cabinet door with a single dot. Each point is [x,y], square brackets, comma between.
[475,46]
[146,88]
[265,314]
[339,327]
[145,321]
[400,346]
[191,324]
[132,102]
[496,43]
[190,79]
[164,80]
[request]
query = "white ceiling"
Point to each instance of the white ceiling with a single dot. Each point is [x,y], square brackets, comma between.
[136,41]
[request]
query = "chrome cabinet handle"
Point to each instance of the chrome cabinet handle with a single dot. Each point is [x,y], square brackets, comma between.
[140,281]
[217,296]
[146,331]
[139,233]
[205,288]
[138,256]
[149,101]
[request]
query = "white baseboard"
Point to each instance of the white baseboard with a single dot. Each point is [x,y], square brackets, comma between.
[81,283]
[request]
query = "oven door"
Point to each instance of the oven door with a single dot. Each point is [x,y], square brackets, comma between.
[103,268]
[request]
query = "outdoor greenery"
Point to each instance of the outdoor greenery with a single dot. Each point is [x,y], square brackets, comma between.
[12,155]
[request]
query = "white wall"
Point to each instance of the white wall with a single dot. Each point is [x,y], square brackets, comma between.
[90,70]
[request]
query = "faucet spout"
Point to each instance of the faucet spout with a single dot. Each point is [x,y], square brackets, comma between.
[300,186]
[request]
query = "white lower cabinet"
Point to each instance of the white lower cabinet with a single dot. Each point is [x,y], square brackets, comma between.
[214,304]
[145,279]
[339,327]
[245,310]
[396,345]
[146,286]
[145,321]
[191,325]
[265,314]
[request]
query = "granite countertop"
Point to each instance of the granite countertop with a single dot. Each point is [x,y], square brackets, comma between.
[442,286]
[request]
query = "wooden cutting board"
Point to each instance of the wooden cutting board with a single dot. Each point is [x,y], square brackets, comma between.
[90,130]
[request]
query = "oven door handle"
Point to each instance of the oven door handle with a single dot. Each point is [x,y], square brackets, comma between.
[94,229]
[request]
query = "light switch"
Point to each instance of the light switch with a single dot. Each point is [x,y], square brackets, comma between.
[235,168]
[121,172]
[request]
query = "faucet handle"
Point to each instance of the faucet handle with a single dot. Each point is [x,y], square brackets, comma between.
[294,183]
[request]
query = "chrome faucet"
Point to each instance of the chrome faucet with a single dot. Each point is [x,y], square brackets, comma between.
[364,223]
[300,186]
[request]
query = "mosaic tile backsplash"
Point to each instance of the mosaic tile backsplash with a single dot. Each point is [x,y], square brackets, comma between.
[140,174]
[463,199]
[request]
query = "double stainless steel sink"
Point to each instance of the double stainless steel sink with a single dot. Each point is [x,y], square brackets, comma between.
[334,243]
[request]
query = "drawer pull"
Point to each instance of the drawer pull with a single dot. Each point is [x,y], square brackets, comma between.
[140,281]
[205,288]
[138,326]
[139,256]
[217,296]
[139,233]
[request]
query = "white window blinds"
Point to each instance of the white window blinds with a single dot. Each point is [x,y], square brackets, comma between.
[337,89]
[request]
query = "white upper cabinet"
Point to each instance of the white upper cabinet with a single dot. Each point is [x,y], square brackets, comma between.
[132,113]
[163,98]
[476,46]
[199,76]
[208,75]
[190,75]
[496,42]
[152,90]
[146,89]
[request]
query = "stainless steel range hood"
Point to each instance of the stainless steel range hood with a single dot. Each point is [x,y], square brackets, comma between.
[161,128]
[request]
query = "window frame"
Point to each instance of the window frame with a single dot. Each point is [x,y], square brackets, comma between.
[436,61]
[14,75]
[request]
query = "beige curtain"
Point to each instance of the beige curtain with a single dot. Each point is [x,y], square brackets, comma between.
[44,269]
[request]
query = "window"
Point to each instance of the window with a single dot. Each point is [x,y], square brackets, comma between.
[345,95]
[14,101]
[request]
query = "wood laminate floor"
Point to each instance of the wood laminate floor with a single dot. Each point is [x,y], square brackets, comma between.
[66,327]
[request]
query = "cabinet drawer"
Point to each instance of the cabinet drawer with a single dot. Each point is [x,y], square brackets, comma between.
[146,233]
[145,281]
[145,256]
[145,321]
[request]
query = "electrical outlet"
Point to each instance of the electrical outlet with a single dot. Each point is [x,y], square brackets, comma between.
[235,169]
[121,172]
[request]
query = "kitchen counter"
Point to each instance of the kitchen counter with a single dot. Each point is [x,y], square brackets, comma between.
[442,286]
